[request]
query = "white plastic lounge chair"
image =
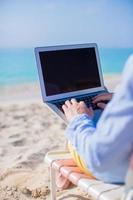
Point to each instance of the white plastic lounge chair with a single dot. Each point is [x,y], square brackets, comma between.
[96,189]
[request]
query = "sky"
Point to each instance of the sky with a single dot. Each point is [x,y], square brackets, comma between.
[31,23]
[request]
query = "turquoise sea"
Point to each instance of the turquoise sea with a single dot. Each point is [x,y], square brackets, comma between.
[19,65]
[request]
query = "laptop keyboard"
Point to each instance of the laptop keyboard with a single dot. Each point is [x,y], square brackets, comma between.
[86,99]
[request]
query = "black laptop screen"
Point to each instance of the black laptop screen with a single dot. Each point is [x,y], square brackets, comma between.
[69,70]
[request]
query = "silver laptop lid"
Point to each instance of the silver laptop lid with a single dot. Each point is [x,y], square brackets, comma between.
[69,70]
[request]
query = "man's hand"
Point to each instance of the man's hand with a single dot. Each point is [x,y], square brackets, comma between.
[73,108]
[101,98]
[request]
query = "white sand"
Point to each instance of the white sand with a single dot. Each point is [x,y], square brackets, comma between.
[27,131]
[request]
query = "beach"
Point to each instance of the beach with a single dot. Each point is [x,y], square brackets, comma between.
[28,130]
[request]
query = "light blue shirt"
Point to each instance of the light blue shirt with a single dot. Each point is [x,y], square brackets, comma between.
[107,148]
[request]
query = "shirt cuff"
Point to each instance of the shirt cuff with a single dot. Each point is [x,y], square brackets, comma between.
[79,126]
[78,119]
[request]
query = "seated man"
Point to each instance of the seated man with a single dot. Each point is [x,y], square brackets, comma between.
[104,150]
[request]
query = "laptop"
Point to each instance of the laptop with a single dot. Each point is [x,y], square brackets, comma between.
[69,71]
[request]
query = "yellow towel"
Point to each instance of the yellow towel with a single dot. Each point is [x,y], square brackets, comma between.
[80,163]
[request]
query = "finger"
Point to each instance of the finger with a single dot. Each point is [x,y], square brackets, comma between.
[64,107]
[99,98]
[82,103]
[90,109]
[68,103]
[101,105]
[74,101]
[99,95]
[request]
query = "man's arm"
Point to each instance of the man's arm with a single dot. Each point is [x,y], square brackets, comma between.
[104,145]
